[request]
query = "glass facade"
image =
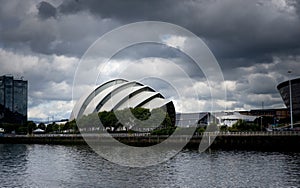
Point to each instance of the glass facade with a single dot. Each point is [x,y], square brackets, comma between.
[13,99]
[1,91]
[20,97]
[8,92]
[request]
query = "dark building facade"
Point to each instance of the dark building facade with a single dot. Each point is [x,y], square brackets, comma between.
[284,91]
[280,113]
[13,100]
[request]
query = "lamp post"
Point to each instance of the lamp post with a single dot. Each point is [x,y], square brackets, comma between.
[291,101]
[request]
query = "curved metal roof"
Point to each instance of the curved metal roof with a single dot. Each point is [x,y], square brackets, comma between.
[138,99]
[116,98]
[156,103]
[117,95]
[81,104]
[286,83]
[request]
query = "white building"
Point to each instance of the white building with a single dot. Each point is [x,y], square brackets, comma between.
[230,118]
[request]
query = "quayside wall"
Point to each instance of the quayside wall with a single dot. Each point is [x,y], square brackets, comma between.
[265,141]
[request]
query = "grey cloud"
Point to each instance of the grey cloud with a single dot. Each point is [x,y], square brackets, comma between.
[31,25]
[231,28]
[261,84]
[145,50]
[257,83]
[49,77]
[255,42]
[129,10]
[39,28]
[46,10]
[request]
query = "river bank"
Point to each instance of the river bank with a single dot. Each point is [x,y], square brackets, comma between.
[281,141]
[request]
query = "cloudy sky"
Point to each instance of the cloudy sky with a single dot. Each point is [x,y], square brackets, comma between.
[254,42]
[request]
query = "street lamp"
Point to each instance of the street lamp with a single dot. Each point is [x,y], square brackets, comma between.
[291,100]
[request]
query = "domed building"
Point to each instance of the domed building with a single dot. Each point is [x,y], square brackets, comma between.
[284,91]
[120,94]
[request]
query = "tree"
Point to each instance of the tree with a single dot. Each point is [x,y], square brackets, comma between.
[49,128]
[52,128]
[242,125]
[89,122]
[70,125]
[31,126]
[130,118]
[224,128]
[141,113]
[42,126]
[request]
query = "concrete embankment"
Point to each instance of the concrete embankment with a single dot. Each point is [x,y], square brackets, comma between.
[253,142]
[231,141]
[42,139]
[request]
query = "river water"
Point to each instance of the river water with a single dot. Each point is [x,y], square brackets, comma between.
[78,166]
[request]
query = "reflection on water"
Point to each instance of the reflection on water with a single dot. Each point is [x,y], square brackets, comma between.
[79,166]
[13,165]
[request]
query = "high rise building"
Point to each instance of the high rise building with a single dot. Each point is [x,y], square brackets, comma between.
[13,100]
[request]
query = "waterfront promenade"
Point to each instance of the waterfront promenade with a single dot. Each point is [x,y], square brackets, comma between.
[268,141]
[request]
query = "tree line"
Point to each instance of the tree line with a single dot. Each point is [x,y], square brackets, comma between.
[127,120]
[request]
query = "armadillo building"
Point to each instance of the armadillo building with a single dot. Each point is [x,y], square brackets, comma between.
[284,91]
[119,94]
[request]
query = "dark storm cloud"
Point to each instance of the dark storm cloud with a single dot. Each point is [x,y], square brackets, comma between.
[232,28]
[46,10]
[39,27]
[131,10]
[255,42]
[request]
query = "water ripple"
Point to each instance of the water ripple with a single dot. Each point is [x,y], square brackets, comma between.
[79,166]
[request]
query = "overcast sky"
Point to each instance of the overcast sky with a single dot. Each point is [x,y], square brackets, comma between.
[255,43]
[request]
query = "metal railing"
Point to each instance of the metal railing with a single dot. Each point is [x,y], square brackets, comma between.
[253,133]
[273,133]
